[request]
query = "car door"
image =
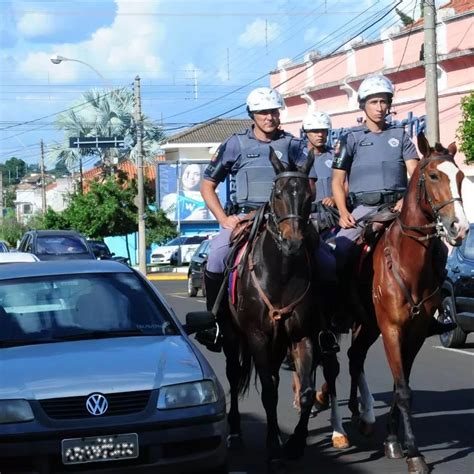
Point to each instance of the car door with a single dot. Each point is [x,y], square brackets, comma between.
[25,244]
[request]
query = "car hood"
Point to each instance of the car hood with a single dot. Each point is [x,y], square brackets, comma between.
[166,248]
[74,368]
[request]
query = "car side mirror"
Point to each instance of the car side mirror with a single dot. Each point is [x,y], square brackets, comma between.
[113,254]
[199,321]
[203,255]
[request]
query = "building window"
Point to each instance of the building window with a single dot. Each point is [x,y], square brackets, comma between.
[26,208]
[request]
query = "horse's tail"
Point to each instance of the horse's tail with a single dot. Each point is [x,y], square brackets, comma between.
[246,367]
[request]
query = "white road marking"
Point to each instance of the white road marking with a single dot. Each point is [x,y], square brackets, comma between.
[454,350]
[180,295]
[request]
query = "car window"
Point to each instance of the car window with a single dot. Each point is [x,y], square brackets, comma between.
[99,248]
[176,241]
[59,245]
[45,308]
[468,247]
[25,246]
[197,239]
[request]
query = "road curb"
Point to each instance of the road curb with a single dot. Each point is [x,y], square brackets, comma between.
[166,277]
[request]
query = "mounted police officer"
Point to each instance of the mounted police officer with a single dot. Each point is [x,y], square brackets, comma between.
[245,158]
[375,159]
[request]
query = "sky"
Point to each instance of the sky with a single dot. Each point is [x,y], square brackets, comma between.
[196,59]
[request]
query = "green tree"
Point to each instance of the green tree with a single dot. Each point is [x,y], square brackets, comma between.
[159,228]
[405,19]
[10,229]
[60,170]
[13,170]
[9,197]
[466,127]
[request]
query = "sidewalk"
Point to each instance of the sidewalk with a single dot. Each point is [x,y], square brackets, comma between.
[166,273]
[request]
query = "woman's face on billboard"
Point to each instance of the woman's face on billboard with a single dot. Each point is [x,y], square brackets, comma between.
[191,177]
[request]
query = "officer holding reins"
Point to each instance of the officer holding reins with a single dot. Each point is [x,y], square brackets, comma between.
[375,159]
[245,158]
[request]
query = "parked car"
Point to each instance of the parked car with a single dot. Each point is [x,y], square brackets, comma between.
[56,245]
[98,374]
[17,257]
[3,246]
[196,269]
[458,293]
[101,251]
[186,245]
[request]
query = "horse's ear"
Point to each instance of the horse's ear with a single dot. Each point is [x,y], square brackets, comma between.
[278,166]
[452,149]
[423,144]
[308,163]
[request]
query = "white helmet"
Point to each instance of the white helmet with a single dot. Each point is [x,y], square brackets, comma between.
[317,121]
[264,98]
[376,84]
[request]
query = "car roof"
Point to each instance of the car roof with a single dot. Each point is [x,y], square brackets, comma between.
[55,232]
[61,267]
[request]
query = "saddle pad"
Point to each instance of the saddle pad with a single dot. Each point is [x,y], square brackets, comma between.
[234,274]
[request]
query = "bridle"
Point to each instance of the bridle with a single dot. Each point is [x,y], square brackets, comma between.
[422,191]
[274,219]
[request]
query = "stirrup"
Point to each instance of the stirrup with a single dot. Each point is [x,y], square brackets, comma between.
[211,338]
[327,342]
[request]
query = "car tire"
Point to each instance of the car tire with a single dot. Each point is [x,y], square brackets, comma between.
[456,337]
[224,469]
[192,290]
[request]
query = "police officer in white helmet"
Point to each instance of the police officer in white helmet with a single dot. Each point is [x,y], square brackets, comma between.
[245,158]
[376,160]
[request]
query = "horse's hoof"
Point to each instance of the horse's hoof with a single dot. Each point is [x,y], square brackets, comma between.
[314,412]
[393,450]
[276,466]
[294,448]
[417,465]
[234,442]
[321,401]
[340,442]
[366,429]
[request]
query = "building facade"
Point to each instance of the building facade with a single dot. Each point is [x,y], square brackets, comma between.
[330,83]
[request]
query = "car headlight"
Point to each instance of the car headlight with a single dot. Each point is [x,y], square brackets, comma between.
[187,395]
[12,411]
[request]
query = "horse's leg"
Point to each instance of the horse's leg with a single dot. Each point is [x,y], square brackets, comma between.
[363,338]
[269,379]
[296,387]
[393,448]
[400,361]
[233,372]
[330,372]
[303,358]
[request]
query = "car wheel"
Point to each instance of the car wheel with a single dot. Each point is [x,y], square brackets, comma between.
[456,337]
[192,291]
[219,470]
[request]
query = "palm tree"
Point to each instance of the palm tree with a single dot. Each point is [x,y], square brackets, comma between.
[106,114]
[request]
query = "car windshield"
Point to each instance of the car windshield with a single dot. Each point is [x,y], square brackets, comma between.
[469,245]
[176,241]
[59,245]
[57,308]
[99,248]
[197,239]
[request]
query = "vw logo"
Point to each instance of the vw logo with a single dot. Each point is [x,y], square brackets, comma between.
[97,404]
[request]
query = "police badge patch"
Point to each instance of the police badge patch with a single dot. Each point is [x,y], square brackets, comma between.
[279,154]
[328,163]
[394,142]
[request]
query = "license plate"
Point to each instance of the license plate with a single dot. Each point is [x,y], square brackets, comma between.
[99,448]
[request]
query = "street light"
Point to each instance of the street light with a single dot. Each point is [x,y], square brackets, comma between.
[58,59]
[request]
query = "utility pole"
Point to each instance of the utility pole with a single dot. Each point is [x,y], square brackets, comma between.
[431,71]
[43,187]
[140,180]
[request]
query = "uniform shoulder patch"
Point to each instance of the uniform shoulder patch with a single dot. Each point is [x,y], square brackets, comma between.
[394,142]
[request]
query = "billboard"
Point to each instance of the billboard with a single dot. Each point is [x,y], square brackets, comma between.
[178,193]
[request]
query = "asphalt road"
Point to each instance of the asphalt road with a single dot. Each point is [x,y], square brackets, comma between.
[443,407]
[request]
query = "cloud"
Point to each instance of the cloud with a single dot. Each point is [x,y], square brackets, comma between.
[259,33]
[34,24]
[125,48]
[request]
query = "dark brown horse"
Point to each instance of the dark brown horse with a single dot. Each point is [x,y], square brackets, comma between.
[275,309]
[402,289]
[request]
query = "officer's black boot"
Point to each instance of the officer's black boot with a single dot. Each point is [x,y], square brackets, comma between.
[212,338]
[327,339]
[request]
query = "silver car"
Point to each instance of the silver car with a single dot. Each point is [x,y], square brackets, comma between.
[97,374]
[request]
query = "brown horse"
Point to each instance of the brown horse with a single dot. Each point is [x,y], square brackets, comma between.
[402,289]
[275,309]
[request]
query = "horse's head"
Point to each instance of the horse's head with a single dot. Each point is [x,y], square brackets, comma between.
[290,204]
[440,181]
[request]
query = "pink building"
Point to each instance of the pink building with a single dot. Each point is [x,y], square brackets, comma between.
[330,84]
